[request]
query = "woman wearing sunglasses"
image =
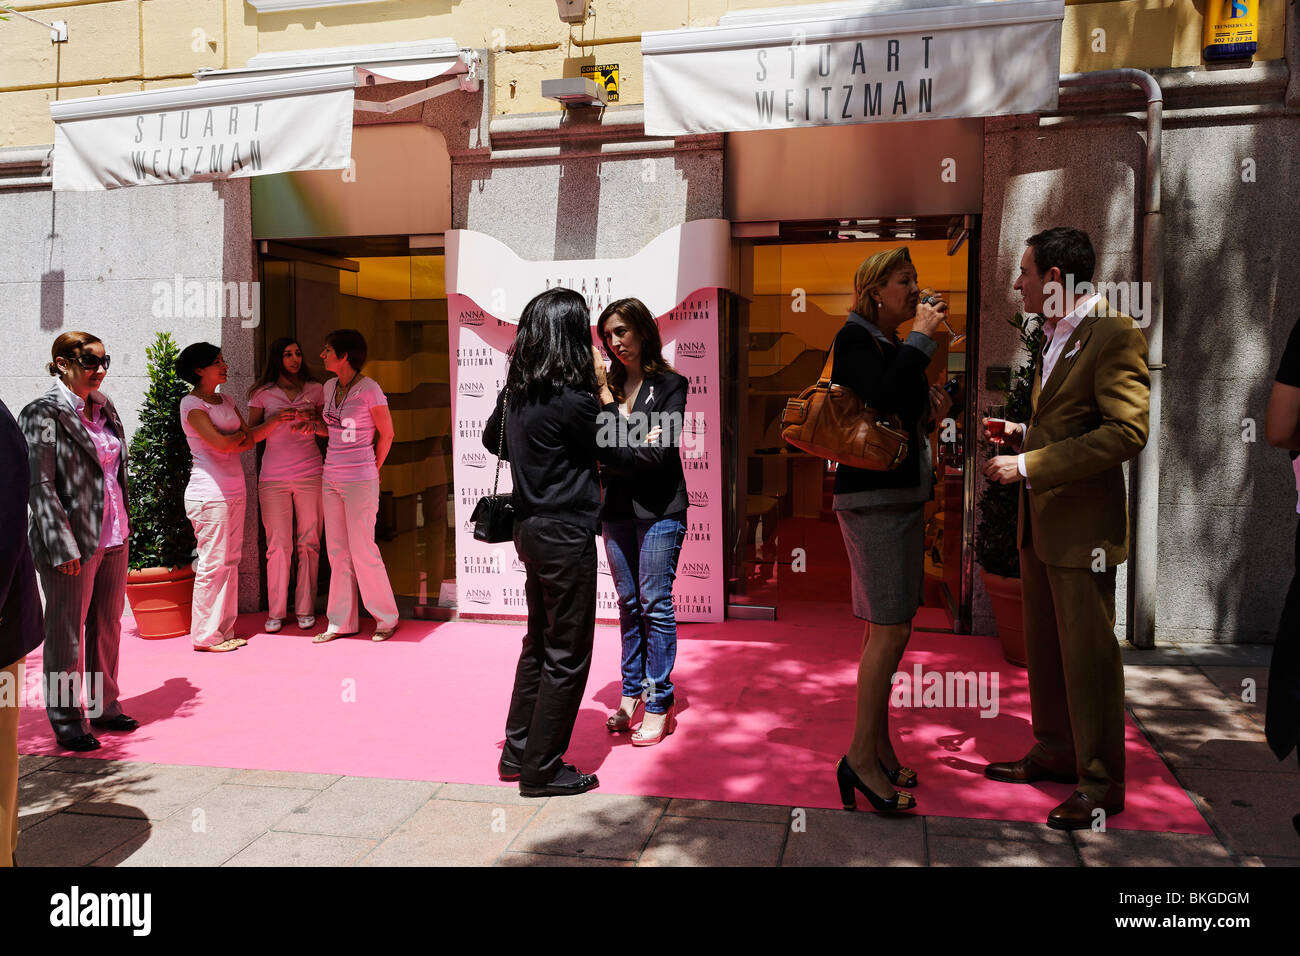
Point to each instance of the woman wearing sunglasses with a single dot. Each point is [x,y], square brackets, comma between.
[78,536]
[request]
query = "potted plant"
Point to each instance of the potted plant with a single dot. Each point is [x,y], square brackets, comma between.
[160,584]
[996,550]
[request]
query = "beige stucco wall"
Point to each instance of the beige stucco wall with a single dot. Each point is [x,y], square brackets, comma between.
[118,45]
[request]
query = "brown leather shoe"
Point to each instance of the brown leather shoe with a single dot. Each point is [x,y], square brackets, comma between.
[1077,812]
[1026,770]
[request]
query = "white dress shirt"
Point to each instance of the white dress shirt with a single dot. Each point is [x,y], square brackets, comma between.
[1056,334]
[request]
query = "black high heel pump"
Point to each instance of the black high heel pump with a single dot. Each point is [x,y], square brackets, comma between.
[849,782]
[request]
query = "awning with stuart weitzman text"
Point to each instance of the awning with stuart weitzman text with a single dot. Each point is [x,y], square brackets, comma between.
[283,112]
[845,63]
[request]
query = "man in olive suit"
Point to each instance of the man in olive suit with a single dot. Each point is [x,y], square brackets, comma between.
[1089,414]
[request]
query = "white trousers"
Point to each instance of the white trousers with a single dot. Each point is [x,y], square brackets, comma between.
[219,528]
[355,562]
[282,502]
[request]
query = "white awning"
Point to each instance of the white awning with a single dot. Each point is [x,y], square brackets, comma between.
[283,112]
[838,64]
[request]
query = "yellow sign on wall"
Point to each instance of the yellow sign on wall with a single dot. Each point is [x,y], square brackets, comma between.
[606,76]
[1231,29]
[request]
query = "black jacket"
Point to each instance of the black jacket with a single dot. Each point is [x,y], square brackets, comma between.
[657,485]
[22,625]
[553,452]
[889,378]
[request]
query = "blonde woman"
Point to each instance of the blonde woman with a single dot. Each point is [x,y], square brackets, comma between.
[882,513]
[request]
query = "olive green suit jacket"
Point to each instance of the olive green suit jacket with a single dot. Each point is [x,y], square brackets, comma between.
[1090,416]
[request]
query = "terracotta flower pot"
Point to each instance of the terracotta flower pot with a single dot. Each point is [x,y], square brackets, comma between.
[161,600]
[1005,596]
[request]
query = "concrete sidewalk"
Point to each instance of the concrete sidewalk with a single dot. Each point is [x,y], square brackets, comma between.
[1188,699]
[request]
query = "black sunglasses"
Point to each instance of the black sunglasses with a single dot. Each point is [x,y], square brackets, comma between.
[91,362]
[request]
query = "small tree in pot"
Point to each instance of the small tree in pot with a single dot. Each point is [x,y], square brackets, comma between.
[996,548]
[160,586]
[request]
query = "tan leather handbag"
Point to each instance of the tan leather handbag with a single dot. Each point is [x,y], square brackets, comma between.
[830,421]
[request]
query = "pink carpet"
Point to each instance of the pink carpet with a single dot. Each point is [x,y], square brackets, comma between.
[766,708]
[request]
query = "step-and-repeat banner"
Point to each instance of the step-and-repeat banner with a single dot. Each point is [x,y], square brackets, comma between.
[678,276]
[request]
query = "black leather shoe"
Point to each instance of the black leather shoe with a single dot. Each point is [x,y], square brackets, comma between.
[84,742]
[568,782]
[121,722]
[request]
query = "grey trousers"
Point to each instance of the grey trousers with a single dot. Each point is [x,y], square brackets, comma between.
[83,626]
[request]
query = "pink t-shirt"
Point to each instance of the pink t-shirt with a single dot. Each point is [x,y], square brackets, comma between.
[350,455]
[289,455]
[215,475]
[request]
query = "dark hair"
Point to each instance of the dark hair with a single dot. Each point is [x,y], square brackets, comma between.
[69,346]
[194,357]
[349,344]
[1069,250]
[638,317]
[275,366]
[552,348]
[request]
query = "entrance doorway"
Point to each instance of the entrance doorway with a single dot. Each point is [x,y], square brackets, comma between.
[796,287]
[399,303]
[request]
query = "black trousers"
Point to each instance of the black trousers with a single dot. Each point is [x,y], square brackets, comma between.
[1282,715]
[560,561]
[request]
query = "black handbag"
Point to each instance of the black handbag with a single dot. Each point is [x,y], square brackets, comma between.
[494,515]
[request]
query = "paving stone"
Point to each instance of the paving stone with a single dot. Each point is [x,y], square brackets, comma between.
[72,839]
[1252,811]
[28,763]
[994,830]
[49,790]
[717,810]
[965,851]
[98,765]
[1208,738]
[1164,653]
[510,858]
[504,795]
[592,824]
[285,778]
[1227,655]
[359,807]
[1148,848]
[1229,680]
[451,833]
[151,791]
[1181,688]
[699,841]
[301,849]
[210,830]
[856,839]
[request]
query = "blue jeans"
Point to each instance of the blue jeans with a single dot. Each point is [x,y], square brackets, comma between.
[643,562]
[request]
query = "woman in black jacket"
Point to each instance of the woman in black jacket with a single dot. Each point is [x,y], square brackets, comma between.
[882,513]
[554,392]
[645,517]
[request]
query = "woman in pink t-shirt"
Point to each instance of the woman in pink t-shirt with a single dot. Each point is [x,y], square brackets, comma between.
[215,496]
[355,417]
[289,484]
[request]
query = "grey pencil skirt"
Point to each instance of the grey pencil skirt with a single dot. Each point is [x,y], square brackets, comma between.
[885,544]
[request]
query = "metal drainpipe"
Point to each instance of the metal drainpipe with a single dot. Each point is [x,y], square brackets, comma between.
[1144,470]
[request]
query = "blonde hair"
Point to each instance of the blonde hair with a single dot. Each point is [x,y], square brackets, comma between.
[872,274]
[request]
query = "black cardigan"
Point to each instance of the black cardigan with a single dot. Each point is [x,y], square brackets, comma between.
[889,378]
[552,448]
[657,485]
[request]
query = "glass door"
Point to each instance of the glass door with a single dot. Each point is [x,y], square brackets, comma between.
[796,290]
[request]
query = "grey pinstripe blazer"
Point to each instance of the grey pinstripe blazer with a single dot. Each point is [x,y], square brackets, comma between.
[66,495]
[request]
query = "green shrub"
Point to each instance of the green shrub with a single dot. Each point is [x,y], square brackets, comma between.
[995,537]
[161,534]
